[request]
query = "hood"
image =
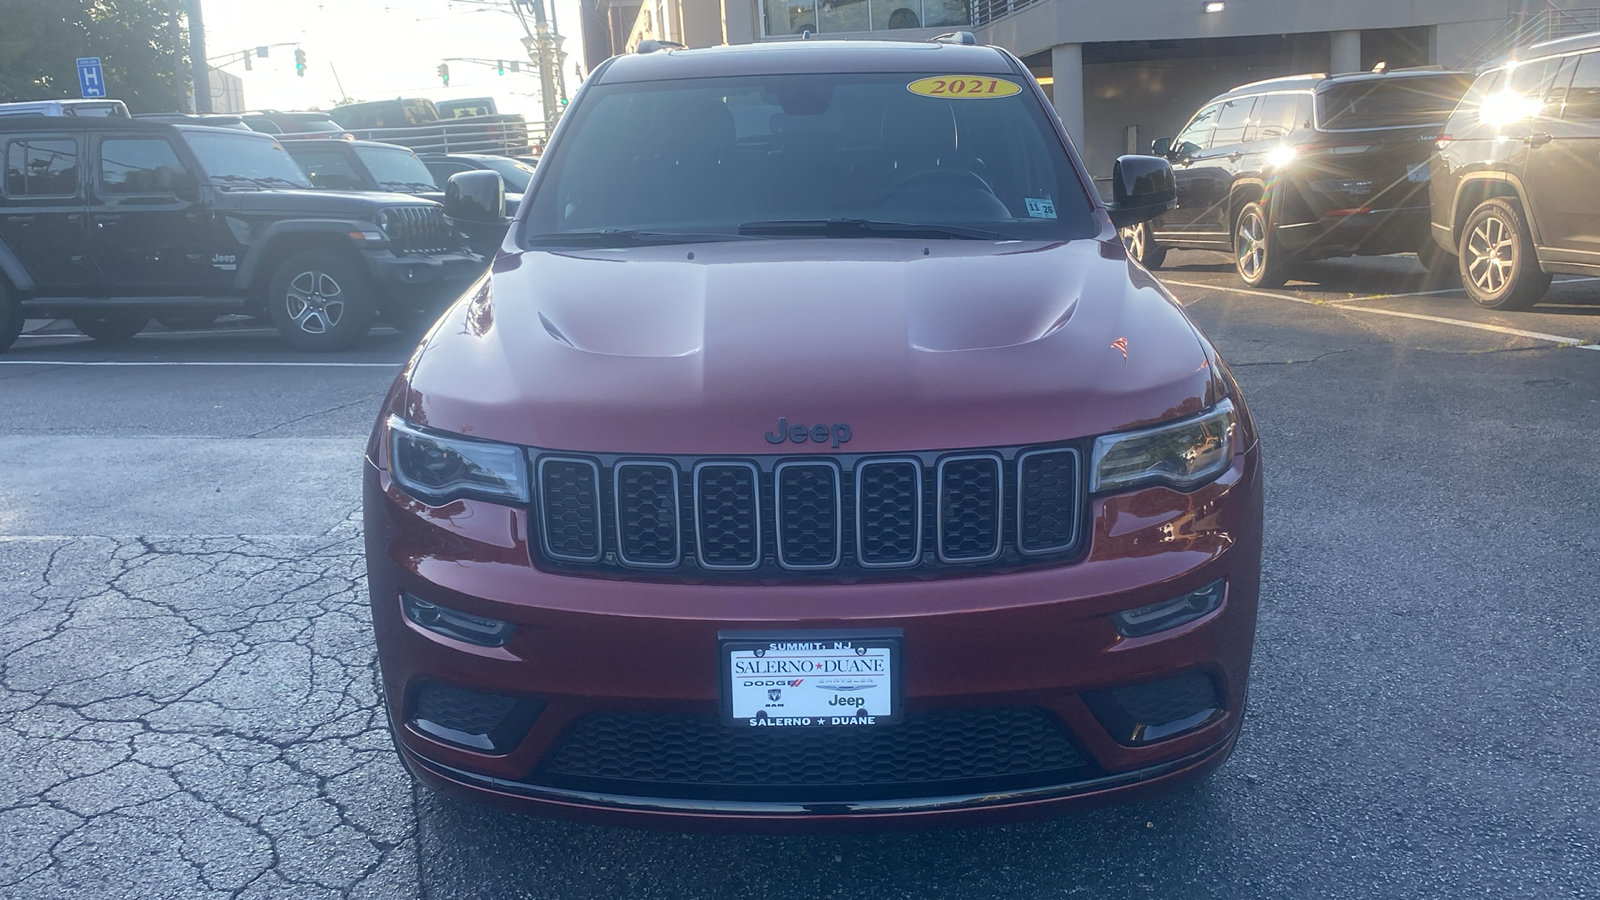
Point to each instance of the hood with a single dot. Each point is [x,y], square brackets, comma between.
[915,345]
[330,203]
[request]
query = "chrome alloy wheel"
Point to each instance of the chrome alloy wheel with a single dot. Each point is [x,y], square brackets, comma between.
[1491,255]
[1251,247]
[315,302]
[1134,238]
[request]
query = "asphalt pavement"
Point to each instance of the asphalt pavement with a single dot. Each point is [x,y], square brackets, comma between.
[187,700]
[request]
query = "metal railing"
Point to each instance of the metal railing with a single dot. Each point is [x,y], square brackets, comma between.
[510,136]
[986,11]
[1522,31]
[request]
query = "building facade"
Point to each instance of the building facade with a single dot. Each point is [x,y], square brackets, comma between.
[1124,72]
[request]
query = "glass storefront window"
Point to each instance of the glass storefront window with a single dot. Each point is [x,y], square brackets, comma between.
[887,14]
[782,18]
[785,17]
[939,13]
[843,15]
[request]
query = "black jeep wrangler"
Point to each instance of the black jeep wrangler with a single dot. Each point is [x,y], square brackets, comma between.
[110,222]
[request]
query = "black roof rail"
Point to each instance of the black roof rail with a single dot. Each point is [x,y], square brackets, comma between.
[651,45]
[964,38]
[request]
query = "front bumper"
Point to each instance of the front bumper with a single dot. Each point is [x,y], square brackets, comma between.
[1375,233]
[434,272]
[1038,639]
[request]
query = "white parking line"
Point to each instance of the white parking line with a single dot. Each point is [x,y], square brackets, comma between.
[228,364]
[1344,305]
[76,336]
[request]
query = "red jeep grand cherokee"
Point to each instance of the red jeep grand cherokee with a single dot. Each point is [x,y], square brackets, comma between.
[813,456]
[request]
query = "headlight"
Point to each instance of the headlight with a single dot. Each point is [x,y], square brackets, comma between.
[437,468]
[1183,455]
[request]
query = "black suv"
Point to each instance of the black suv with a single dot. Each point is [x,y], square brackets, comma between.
[340,165]
[111,221]
[1306,167]
[1516,181]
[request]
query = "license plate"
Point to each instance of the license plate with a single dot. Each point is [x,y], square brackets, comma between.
[1418,173]
[811,679]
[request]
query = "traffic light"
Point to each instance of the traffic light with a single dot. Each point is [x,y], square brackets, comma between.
[444,73]
[500,67]
[299,62]
[563,101]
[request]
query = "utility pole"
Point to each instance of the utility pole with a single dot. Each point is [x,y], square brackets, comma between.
[175,37]
[197,58]
[544,50]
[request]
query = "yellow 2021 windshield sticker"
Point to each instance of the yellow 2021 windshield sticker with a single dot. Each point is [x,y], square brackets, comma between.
[964,87]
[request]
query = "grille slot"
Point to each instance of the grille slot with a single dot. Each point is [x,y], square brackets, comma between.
[727,515]
[888,512]
[646,496]
[1047,507]
[569,509]
[417,229]
[808,515]
[815,517]
[970,506]
[687,755]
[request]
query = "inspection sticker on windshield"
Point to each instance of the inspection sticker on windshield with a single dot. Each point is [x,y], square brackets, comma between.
[1040,208]
[964,87]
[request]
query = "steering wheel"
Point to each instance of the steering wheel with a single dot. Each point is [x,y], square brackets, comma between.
[952,177]
[946,194]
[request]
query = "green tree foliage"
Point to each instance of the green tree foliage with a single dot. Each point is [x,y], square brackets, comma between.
[40,41]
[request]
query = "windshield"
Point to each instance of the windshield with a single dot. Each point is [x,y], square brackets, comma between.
[231,159]
[397,170]
[515,174]
[1391,102]
[714,156]
[308,125]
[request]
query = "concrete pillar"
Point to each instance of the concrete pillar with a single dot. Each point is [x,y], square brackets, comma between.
[740,22]
[1344,52]
[1066,64]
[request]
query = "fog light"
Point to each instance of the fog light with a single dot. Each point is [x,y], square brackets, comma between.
[490,723]
[1170,613]
[457,625]
[1143,713]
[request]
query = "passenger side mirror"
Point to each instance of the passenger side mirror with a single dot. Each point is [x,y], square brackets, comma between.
[476,198]
[1142,188]
[1161,147]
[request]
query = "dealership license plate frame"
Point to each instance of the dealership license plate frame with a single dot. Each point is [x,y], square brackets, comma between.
[893,639]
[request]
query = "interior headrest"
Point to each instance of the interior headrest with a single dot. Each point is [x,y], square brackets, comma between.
[919,127]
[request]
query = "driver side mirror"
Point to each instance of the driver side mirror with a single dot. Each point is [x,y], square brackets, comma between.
[476,198]
[186,186]
[1143,187]
[1161,147]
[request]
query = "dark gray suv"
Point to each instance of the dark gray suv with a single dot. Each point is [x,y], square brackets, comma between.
[1305,167]
[1516,181]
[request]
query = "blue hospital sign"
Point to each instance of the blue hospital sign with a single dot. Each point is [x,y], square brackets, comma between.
[91,77]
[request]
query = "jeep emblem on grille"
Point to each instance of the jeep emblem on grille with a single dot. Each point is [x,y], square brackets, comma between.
[838,432]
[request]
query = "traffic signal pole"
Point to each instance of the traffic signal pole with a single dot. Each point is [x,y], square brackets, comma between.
[197,58]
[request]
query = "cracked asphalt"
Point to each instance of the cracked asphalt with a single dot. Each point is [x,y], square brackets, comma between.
[188,705]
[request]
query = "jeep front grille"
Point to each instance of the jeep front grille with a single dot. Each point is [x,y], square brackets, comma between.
[418,229]
[797,517]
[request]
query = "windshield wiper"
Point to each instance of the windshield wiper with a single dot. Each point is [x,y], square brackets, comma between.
[259,181]
[867,227]
[409,184]
[622,237]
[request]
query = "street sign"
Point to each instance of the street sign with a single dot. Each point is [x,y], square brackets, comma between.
[91,78]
